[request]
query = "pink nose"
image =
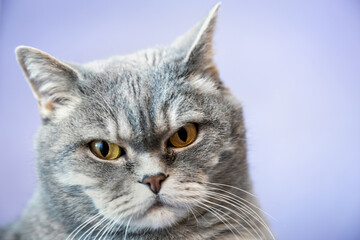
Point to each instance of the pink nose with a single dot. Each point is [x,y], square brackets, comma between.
[154,182]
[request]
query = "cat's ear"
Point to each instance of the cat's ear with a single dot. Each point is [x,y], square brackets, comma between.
[52,81]
[195,47]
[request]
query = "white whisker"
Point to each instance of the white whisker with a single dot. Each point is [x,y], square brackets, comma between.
[92,229]
[194,215]
[218,205]
[110,221]
[242,217]
[114,222]
[240,200]
[243,208]
[230,186]
[127,226]
[80,227]
[218,216]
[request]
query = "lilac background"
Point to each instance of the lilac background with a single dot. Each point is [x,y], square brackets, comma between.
[295,66]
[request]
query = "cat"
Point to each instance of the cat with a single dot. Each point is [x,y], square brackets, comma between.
[146,146]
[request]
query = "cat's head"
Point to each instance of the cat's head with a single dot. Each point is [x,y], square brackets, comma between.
[135,139]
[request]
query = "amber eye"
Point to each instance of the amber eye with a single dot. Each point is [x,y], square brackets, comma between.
[106,150]
[184,137]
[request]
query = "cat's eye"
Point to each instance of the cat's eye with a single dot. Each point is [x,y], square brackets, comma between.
[184,136]
[106,150]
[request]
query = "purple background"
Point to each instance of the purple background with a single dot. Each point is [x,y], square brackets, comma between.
[295,66]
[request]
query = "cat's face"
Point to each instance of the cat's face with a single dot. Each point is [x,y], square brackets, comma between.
[145,109]
[138,103]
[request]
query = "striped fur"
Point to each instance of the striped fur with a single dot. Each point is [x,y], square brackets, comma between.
[138,102]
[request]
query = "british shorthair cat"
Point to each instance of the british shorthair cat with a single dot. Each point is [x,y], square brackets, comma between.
[145,146]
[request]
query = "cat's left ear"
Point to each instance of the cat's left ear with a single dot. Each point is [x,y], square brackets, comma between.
[195,47]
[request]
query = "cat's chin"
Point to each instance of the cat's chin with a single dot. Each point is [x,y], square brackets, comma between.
[159,216]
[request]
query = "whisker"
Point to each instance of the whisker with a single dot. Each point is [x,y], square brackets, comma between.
[124,215]
[80,227]
[117,229]
[111,231]
[126,229]
[218,216]
[242,217]
[110,227]
[230,186]
[193,210]
[244,208]
[247,213]
[232,212]
[190,209]
[242,199]
[237,214]
[110,221]
[92,229]
[239,200]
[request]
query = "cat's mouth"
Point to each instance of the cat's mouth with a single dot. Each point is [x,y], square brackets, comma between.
[158,214]
[157,205]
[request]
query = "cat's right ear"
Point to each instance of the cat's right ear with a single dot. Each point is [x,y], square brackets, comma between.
[52,81]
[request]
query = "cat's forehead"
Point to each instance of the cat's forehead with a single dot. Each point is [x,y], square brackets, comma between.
[152,68]
[150,99]
[140,61]
[136,87]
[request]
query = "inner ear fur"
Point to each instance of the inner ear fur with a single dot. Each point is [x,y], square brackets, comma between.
[51,80]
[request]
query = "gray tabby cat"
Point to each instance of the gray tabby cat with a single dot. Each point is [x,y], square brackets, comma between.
[146,146]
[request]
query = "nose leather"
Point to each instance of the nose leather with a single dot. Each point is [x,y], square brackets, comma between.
[154,182]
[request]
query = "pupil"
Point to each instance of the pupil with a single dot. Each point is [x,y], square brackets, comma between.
[182,134]
[104,148]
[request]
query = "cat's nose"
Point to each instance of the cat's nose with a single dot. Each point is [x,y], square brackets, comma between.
[154,182]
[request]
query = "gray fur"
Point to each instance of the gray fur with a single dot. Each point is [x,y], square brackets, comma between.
[138,102]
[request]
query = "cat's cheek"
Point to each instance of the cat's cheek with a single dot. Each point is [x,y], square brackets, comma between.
[72,178]
[123,203]
[182,194]
[213,160]
[99,199]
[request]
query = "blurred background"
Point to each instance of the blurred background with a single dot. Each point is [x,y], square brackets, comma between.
[294,65]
